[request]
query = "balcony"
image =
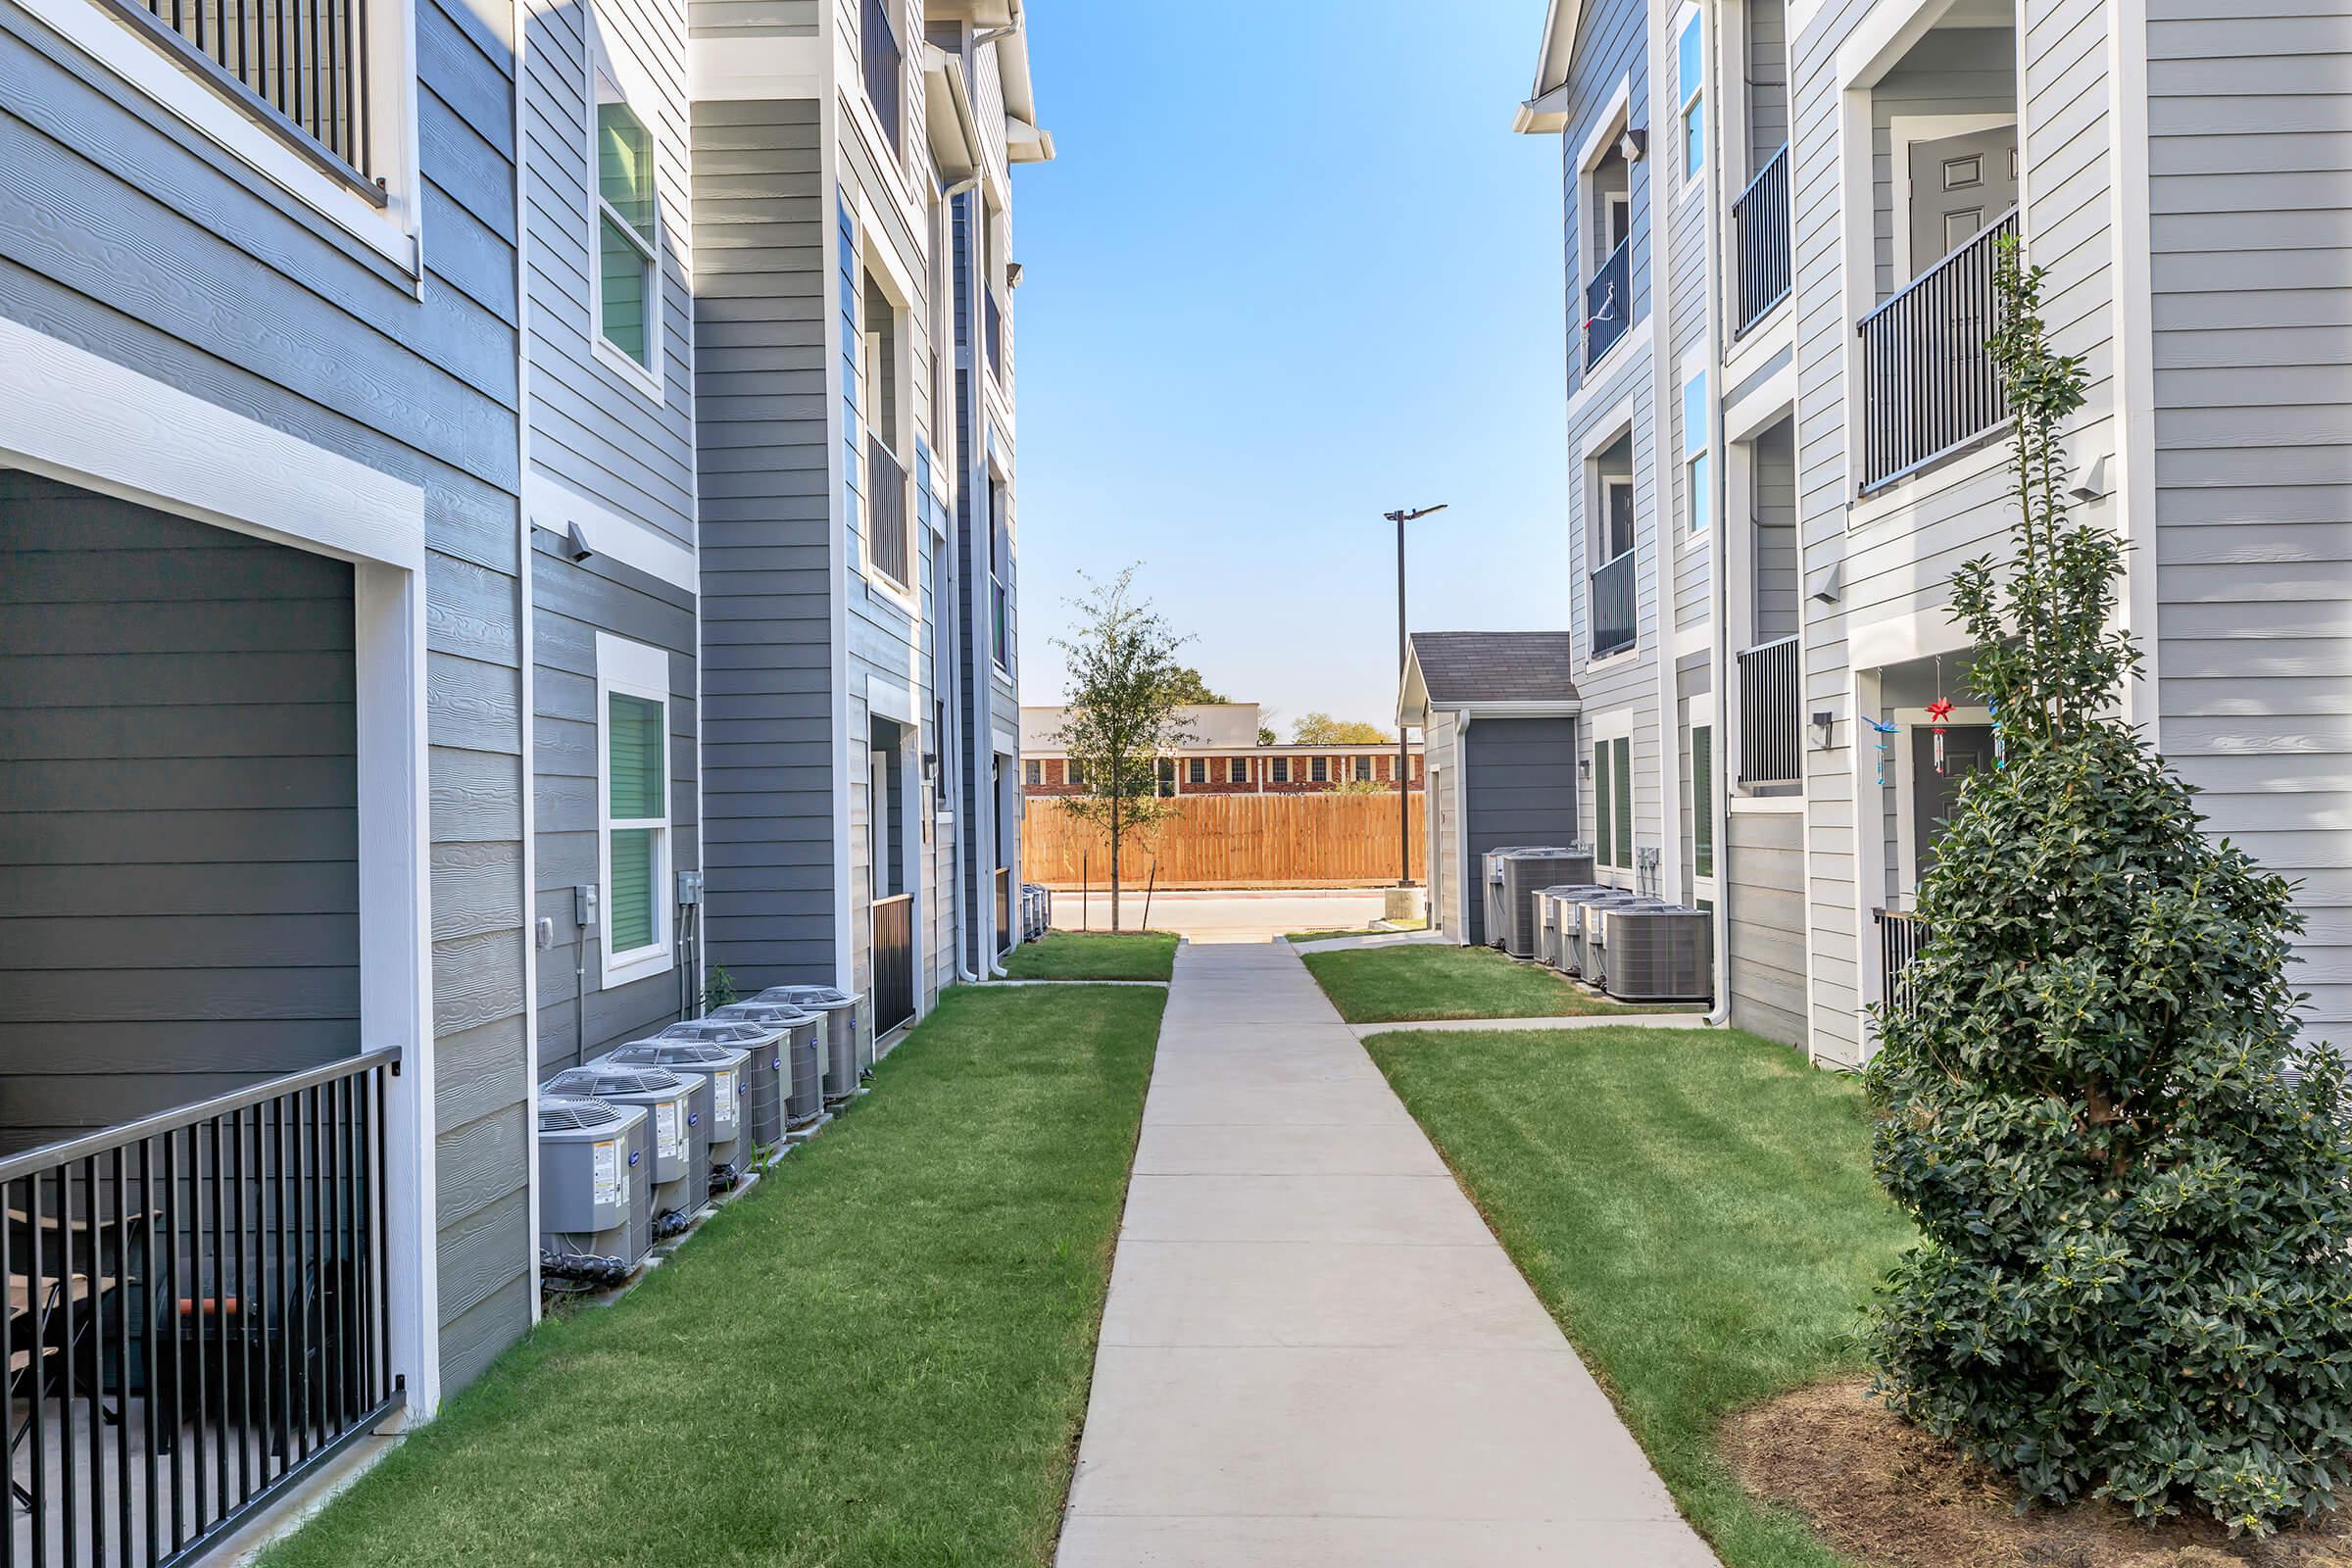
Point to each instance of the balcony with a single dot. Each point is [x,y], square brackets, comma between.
[1612,599]
[1771,714]
[1760,219]
[300,69]
[1608,303]
[884,65]
[1929,388]
[889,545]
[198,1315]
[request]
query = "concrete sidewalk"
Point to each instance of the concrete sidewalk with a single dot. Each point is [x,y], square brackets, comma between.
[1315,1354]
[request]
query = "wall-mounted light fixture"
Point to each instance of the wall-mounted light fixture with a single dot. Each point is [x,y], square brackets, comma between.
[1583,767]
[576,546]
[2094,485]
[1631,145]
[1825,727]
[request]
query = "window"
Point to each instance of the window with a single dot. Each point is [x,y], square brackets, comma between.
[1604,815]
[1363,769]
[1280,769]
[1037,773]
[1690,80]
[1077,773]
[1166,777]
[1318,770]
[1702,800]
[627,228]
[1697,500]
[1237,770]
[1196,772]
[633,847]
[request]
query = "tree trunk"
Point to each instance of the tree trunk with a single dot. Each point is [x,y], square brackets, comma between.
[1114,865]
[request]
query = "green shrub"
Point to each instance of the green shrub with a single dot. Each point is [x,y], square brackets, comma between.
[2134,1275]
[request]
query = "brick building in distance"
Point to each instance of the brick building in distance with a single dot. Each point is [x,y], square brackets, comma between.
[1222,756]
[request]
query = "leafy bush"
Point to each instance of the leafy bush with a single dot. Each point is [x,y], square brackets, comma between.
[2133,1280]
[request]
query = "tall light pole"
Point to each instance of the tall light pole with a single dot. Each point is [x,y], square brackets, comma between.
[1404,771]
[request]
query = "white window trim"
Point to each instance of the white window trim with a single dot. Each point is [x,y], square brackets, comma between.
[1687,181]
[635,95]
[393,230]
[1901,132]
[1693,535]
[632,669]
[882,266]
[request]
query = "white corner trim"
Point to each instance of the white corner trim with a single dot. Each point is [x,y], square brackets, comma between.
[554,506]
[761,66]
[389,230]
[76,417]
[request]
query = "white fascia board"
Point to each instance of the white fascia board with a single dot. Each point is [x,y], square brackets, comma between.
[1544,114]
[757,67]
[76,417]
[1559,709]
[556,507]
[949,120]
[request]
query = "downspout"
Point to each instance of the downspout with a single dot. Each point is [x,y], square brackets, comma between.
[951,745]
[1719,475]
[525,624]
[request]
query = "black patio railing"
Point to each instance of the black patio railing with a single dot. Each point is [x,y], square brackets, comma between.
[1760,220]
[1609,303]
[1928,383]
[1772,714]
[889,544]
[1901,935]
[297,66]
[197,1316]
[894,961]
[884,65]
[1612,599]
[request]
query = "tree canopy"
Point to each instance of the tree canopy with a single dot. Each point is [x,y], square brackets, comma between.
[1321,730]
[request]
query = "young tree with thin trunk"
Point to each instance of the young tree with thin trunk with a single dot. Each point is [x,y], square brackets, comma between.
[1121,716]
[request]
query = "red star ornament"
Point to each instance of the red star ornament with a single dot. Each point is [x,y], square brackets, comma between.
[1939,710]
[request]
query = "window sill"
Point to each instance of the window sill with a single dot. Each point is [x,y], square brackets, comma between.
[639,377]
[625,968]
[1617,660]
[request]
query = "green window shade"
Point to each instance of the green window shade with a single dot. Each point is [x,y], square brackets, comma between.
[635,728]
[1604,816]
[632,894]
[625,168]
[1625,802]
[1702,800]
[627,280]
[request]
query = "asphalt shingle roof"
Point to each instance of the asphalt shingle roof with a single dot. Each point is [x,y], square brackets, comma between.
[1494,667]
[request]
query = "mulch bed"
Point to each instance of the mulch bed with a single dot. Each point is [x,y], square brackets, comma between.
[1891,1496]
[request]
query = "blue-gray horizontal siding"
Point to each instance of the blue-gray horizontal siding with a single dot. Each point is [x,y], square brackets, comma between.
[760,220]
[2250,197]
[126,233]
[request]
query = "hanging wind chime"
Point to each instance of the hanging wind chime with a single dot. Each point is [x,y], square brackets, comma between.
[1940,712]
[1884,729]
[2000,747]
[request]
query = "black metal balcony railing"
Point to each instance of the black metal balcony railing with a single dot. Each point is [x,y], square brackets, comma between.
[884,65]
[1609,303]
[1612,599]
[1760,218]
[894,961]
[197,1316]
[887,541]
[1901,935]
[1000,607]
[297,66]
[1772,714]
[1928,383]
[992,321]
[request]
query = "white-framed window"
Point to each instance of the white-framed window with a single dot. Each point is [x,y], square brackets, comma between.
[633,849]
[1196,771]
[1697,500]
[1689,75]
[626,237]
[1037,772]
[1363,769]
[1279,769]
[1702,800]
[1237,770]
[1613,802]
[1318,770]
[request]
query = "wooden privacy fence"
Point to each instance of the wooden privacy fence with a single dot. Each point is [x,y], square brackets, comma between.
[1231,841]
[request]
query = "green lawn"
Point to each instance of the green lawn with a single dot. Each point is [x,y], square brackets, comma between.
[1094,955]
[879,1357]
[1695,1209]
[1430,980]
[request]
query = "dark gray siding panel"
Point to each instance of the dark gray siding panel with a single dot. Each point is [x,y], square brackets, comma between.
[573,601]
[167,254]
[1518,787]
[180,833]
[761,223]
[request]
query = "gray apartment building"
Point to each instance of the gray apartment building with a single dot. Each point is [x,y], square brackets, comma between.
[1784,434]
[505,511]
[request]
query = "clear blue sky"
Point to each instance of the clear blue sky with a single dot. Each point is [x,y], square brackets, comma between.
[1289,270]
